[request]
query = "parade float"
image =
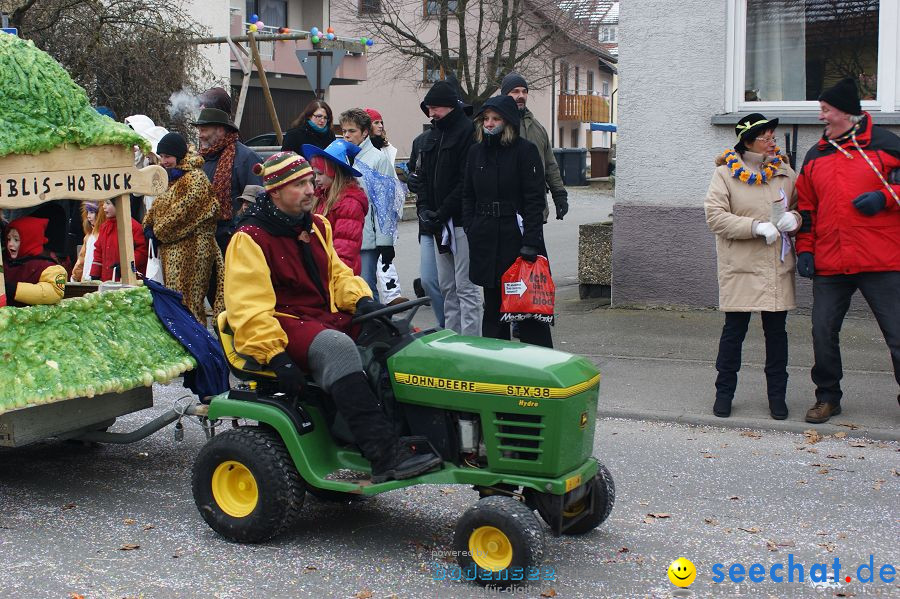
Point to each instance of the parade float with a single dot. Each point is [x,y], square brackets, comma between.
[71,368]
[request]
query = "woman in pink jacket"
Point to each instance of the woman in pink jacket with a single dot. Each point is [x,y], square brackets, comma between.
[340,198]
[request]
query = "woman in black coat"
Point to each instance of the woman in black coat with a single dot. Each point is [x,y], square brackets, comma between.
[504,178]
[313,127]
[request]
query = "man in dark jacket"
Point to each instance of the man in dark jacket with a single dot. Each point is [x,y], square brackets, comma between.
[228,165]
[850,236]
[442,165]
[514,85]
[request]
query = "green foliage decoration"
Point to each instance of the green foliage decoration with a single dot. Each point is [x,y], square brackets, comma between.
[86,346]
[41,108]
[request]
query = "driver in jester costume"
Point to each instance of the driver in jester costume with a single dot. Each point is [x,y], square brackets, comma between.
[290,299]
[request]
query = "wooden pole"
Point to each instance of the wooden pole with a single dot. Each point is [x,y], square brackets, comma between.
[270,105]
[126,241]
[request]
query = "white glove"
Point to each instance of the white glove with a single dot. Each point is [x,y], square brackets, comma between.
[767,230]
[788,223]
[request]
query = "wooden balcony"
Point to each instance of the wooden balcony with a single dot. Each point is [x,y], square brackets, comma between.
[582,108]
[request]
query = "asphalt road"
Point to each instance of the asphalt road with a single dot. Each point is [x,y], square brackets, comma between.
[68,513]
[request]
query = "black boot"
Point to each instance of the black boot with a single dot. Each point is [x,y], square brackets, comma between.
[411,457]
[374,433]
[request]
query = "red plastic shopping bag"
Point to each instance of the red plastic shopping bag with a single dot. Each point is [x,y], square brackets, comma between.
[527,291]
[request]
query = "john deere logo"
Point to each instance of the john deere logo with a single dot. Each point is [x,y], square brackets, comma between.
[583,422]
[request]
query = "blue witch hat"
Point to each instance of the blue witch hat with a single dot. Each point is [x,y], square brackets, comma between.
[339,152]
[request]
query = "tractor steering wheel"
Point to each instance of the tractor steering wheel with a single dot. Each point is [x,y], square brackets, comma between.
[388,311]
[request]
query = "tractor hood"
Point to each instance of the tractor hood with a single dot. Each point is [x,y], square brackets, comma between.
[464,366]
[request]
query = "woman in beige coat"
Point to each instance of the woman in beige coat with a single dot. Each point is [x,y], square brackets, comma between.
[750,206]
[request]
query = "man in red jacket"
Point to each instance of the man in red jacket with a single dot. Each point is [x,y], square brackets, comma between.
[850,236]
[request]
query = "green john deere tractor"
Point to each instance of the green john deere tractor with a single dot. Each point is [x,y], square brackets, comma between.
[515,421]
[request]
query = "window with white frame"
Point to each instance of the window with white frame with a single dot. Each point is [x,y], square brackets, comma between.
[607,33]
[605,88]
[783,53]
[433,71]
[432,8]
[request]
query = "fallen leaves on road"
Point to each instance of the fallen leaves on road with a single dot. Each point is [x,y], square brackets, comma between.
[812,436]
[652,517]
[309,568]
[549,593]
[835,456]
[734,498]
[849,425]
[840,435]
[829,547]
[364,594]
[129,547]
[149,527]
[129,521]
[711,521]
[75,596]
[878,483]
[708,455]
[895,472]
[823,471]
[771,545]
[69,506]
[752,434]
[856,443]
[752,530]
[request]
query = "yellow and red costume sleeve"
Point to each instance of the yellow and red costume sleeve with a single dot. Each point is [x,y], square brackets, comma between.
[49,289]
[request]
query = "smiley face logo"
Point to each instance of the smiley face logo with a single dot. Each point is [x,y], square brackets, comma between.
[682,572]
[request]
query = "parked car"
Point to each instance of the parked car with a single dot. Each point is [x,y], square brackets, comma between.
[264,144]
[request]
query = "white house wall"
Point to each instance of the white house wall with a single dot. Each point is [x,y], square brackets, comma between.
[672,67]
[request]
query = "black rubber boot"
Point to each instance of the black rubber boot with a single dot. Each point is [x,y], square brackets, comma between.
[411,457]
[391,458]
[722,406]
[368,423]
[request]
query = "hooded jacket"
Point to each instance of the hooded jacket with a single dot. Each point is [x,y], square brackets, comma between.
[32,278]
[442,166]
[501,182]
[841,238]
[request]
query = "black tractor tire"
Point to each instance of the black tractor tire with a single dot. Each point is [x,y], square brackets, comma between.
[605,490]
[499,539]
[257,459]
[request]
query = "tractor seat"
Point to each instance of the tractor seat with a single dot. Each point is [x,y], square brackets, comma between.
[243,367]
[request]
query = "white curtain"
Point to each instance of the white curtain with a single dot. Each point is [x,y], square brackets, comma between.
[776,50]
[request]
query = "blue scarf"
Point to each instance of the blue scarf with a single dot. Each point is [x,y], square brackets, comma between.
[174,174]
[315,127]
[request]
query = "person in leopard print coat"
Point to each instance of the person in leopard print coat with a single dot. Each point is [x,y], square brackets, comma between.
[182,224]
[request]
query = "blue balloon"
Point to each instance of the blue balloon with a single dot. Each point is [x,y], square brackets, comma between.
[254,18]
[370,42]
[314,31]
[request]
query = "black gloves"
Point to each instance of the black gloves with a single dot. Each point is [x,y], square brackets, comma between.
[387,254]
[870,203]
[413,182]
[151,237]
[291,379]
[10,291]
[894,177]
[805,265]
[366,305]
[529,253]
[429,222]
[561,199]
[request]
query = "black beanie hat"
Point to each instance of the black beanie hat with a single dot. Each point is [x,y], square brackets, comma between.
[172,144]
[843,95]
[505,106]
[442,93]
[512,81]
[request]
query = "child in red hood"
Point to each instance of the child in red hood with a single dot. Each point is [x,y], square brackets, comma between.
[106,249]
[31,277]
